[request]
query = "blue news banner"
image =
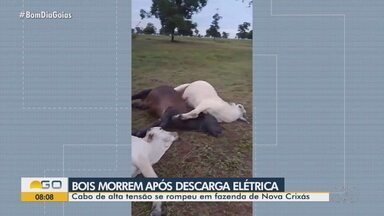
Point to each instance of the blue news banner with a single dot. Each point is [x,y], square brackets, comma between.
[162,189]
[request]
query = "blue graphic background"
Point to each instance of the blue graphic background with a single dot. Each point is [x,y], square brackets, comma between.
[64,99]
[318,101]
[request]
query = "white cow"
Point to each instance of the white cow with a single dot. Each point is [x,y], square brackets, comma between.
[203,97]
[148,151]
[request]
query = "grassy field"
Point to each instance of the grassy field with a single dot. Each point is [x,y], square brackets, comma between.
[227,65]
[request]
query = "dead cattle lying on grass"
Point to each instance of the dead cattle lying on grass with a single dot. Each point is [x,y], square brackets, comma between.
[165,103]
[203,97]
[148,151]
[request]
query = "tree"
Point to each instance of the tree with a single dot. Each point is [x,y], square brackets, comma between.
[163,32]
[149,29]
[225,35]
[243,30]
[213,30]
[250,35]
[139,30]
[174,14]
[186,29]
[197,32]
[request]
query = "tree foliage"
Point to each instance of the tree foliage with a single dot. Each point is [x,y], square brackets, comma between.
[174,14]
[250,35]
[138,30]
[196,32]
[243,31]
[213,30]
[225,35]
[187,28]
[149,29]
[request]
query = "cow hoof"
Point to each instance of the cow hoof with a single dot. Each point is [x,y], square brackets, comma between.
[178,116]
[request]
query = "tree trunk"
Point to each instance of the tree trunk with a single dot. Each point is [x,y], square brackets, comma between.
[173,35]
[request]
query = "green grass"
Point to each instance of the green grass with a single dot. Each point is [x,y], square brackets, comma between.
[227,65]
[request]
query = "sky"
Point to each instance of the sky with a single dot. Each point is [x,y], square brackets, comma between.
[234,12]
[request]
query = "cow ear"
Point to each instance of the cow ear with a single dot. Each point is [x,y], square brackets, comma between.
[150,137]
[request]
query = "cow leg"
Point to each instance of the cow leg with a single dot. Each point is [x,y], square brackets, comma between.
[193,113]
[140,105]
[148,172]
[141,95]
[182,87]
